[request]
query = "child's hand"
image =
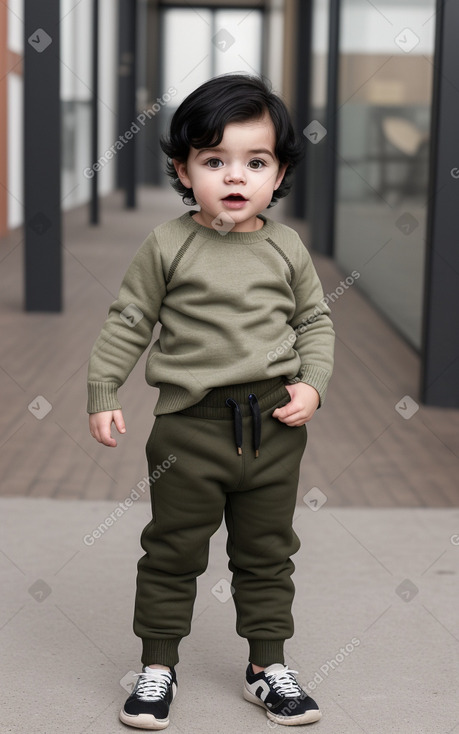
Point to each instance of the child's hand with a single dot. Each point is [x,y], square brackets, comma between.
[302,406]
[100,425]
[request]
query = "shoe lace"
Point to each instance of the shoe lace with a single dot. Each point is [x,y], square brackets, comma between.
[152,684]
[285,683]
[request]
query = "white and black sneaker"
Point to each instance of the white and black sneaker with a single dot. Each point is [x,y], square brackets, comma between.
[278,691]
[148,705]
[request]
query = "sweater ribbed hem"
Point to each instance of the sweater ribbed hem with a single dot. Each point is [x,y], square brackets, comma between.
[160,651]
[172,398]
[175,399]
[266,652]
[315,376]
[102,396]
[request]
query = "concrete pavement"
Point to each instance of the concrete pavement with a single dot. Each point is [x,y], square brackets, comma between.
[377,627]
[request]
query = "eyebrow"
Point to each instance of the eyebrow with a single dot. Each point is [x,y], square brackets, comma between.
[257,151]
[261,151]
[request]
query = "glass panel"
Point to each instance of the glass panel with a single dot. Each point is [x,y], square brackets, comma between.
[386,62]
[187,51]
[237,38]
[76,153]
[200,43]
[75,101]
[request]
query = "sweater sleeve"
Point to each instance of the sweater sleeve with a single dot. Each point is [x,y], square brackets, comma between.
[313,327]
[128,328]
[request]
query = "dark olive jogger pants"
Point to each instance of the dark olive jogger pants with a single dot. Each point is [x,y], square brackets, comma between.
[205,478]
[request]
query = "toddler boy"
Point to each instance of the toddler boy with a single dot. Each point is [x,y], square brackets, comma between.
[242,362]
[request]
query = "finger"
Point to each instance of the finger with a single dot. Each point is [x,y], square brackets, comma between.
[119,421]
[103,435]
[284,412]
[107,440]
[295,424]
[296,419]
[101,432]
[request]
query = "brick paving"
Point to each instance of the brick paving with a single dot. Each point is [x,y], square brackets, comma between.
[362,451]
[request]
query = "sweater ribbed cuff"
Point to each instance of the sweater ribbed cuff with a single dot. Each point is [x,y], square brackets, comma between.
[315,376]
[102,396]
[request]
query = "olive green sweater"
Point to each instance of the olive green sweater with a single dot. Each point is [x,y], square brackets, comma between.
[233,308]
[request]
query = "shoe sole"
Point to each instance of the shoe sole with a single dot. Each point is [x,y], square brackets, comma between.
[309,717]
[143,721]
[146,721]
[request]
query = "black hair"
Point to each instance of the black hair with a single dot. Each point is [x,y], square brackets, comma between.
[200,121]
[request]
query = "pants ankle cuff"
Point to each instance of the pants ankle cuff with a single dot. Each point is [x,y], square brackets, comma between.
[160,652]
[266,652]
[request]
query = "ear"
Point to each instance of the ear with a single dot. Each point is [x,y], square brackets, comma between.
[280,175]
[182,173]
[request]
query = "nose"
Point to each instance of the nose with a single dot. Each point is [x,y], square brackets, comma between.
[235,174]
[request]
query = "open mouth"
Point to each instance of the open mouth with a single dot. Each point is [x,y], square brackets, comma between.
[235,197]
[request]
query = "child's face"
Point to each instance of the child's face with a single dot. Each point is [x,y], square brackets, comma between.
[243,164]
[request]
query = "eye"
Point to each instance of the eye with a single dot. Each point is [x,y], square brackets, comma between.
[214,163]
[256,164]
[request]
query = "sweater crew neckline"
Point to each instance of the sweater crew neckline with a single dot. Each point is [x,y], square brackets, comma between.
[244,238]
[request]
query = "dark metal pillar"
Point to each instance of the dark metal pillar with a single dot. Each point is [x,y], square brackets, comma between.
[326,244]
[127,108]
[440,351]
[42,157]
[302,100]
[156,85]
[94,204]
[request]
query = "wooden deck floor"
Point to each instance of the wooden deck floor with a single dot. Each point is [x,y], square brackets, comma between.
[361,450]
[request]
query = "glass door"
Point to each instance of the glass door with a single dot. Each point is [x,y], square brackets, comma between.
[385,67]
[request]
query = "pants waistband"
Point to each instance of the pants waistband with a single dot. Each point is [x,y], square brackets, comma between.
[213,405]
[242,399]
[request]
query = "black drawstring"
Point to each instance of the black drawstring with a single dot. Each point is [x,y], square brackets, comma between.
[237,422]
[256,416]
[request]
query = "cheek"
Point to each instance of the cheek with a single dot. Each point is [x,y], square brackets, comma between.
[269,181]
[203,186]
